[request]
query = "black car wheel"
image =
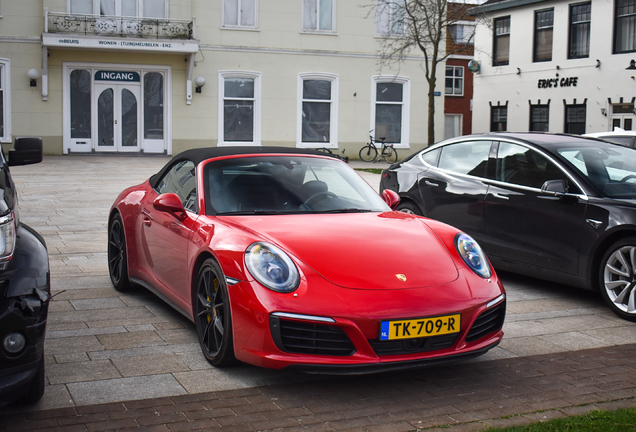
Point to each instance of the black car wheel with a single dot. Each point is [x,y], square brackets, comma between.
[212,315]
[117,261]
[618,278]
[36,386]
[410,208]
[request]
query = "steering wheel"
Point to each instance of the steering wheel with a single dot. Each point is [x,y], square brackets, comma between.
[629,177]
[326,194]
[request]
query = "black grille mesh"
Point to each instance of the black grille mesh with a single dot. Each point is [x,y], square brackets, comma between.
[408,346]
[310,338]
[488,322]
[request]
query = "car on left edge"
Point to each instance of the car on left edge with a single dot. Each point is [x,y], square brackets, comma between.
[24,287]
[287,258]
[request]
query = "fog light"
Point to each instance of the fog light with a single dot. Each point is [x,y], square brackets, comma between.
[14,343]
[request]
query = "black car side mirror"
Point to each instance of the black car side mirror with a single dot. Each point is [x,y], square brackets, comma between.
[26,151]
[554,187]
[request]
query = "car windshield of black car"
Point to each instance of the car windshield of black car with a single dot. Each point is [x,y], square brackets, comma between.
[284,185]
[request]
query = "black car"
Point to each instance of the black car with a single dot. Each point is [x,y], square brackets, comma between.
[556,207]
[24,288]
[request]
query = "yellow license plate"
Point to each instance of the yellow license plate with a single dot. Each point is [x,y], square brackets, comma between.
[420,327]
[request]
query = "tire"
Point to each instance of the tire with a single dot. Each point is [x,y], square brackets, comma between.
[36,386]
[117,256]
[617,279]
[410,208]
[212,315]
[368,153]
[391,157]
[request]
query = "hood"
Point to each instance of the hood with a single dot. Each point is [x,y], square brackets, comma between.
[362,250]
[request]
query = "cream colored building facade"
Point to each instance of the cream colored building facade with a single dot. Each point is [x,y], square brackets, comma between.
[162,76]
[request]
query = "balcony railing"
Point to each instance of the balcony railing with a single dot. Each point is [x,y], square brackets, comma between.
[96,25]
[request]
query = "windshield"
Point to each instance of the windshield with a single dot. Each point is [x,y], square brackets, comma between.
[610,168]
[286,184]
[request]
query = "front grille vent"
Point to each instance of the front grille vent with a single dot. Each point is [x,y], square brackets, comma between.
[301,337]
[489,321]
[409,346]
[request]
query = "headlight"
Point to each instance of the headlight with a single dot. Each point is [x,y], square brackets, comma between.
[271,267]
[7,236]
[472,255]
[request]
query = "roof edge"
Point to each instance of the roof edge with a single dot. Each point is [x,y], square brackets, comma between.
[501,5]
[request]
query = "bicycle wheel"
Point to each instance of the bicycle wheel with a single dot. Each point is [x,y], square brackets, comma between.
[391,155]
[368,153]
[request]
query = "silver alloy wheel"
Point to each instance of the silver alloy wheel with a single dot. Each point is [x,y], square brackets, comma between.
[407,210]
[620,279]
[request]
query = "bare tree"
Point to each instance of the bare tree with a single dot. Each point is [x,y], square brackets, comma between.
[410,26]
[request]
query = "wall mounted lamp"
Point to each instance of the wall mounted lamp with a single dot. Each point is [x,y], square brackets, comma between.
[604,112]
[518,71]
[33,75]
[632,65]
[598,63]
[199,82]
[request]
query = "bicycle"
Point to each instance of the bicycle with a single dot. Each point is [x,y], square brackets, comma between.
[369,153]
[337,156]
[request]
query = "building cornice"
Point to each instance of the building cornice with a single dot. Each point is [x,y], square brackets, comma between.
[502,5]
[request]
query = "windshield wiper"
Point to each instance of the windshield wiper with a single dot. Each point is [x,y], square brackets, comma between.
[259,212]
[346,210]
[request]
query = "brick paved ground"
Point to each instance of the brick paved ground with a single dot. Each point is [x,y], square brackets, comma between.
[469,397]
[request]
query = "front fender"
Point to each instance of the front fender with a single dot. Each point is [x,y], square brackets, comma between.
[29,272]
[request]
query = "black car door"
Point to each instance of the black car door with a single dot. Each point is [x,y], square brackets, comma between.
[525,225]
[453,191]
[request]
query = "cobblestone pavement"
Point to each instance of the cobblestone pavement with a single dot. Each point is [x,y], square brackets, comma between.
[467,397]
[109,355]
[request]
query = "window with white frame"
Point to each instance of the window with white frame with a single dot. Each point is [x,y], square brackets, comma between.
[390,17]
[240,13]
[454,81]
[5,100]
[318,15]
[239,108]
[317,110]
[127,8]
[625,26]
[390,110]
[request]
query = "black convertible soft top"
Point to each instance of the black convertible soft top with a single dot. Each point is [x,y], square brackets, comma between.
[198,155]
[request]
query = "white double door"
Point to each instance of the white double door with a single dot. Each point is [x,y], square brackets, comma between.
[118,109]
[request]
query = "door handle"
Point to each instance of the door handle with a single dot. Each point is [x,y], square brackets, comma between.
[504,197]
[430,183]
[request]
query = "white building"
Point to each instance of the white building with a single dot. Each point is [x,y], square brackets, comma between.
[555,66]
[162,76]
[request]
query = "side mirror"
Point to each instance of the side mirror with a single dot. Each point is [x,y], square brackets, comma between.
[26,151]
[554,187]
[391,198]
[170,203]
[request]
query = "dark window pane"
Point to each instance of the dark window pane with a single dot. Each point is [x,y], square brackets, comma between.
[1,113]
[539,118]
[575,119]
[153,105]
[238,120]
[239,87]
[317,89]
[580,16]
[105,132]
[498,118]
[520,165]
[625,36]
[316,122]
[502,42]
[389,92]
[80,83]
[543,35]
[128,118]
[388,123]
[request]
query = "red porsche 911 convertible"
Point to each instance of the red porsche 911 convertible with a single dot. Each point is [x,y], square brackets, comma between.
[288,258]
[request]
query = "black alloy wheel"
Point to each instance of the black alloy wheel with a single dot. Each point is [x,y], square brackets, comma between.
[618,278]
[117,261]
[410,208]
[213,318]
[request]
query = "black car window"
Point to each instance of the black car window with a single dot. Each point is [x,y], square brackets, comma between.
[181,180]
[469,157]
[523,166]
[430,157]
